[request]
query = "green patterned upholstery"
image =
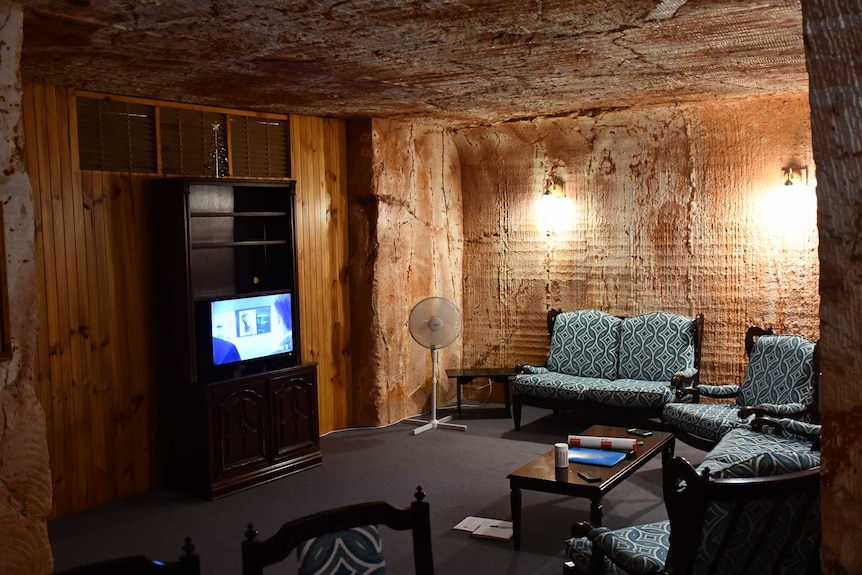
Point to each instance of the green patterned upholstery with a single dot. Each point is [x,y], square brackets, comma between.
[772,531]
[625,363]
[654,346]
[585,343]
[780,378]
[780,371]
[356,550]
[630,393]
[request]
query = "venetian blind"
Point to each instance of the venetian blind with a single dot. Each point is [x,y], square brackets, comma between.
[116,136]
[259,147]
[187,138]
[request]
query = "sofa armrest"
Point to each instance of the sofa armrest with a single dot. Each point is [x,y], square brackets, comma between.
[687,393]
[531,369]
[794,410]
[683,381]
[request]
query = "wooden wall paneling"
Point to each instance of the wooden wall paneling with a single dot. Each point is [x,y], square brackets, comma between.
[58,339]
[335,152]
[103,464]
[78,382]
[48,389]
[321,226]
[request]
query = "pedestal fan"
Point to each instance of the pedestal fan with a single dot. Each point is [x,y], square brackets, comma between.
[434,323]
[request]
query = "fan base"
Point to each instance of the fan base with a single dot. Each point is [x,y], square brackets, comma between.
[434,424]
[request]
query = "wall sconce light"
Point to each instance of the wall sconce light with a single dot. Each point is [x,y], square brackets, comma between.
[552,188]
[795,175]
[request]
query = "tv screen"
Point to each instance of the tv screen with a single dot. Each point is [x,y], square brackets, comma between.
[246,328]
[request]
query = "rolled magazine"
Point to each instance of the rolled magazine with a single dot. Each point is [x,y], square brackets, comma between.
[612,443]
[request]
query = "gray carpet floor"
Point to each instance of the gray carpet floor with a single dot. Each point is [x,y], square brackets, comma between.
[462,472]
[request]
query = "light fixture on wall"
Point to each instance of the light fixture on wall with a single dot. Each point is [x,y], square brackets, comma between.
[552,187]
[795,175]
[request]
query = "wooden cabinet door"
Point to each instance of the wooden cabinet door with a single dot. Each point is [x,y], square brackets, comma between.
[294,413]
[240,426]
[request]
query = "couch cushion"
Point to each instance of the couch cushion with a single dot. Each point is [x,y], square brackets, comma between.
[780,370]
[639,549]
[654,346]
[585,343]
[746,453]
[631,393]
[553,385]
[357,550]
[706,420]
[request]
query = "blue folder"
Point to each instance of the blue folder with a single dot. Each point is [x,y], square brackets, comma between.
[603,457]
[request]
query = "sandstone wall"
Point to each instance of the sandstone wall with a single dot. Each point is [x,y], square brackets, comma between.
[406,244]
[25,479]
[680,209]
[833,30]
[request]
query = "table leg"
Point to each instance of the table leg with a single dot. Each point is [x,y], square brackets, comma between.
[516,517]
[458,384]
[596,511]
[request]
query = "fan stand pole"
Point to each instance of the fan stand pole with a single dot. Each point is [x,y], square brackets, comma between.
[434,423]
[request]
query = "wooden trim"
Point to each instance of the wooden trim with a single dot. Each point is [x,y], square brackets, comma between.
[197,107]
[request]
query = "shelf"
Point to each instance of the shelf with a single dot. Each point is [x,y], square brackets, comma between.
[237,214]
[210,245]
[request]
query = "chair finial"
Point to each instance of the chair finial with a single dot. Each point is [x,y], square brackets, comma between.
[189,547]
[250,532]
[419,495]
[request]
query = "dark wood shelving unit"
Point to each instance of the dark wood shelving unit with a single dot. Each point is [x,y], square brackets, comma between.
[226,430]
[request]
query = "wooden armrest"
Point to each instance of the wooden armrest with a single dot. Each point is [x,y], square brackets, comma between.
[683,392]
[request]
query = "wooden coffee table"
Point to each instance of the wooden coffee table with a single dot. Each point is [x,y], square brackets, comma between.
[494,375]
[541,475]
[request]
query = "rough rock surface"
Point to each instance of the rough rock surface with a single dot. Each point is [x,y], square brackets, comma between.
[834,30]
[25,479]
[465,62]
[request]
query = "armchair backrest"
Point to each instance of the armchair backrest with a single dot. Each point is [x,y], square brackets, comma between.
[342,538]
[585,343]
[654,346]
[732,524]
[781,369]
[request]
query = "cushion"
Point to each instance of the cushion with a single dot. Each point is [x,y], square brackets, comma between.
[746,453]
[585,343]
[710,421]
[631,393]
[654,346]
[780,370]
[357,550]
[558,386]
[639,549]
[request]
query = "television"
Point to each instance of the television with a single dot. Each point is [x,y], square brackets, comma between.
[246,334]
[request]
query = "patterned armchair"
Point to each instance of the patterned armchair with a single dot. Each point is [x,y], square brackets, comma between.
[744,515]
[780,381]
[343,540]
[611,368]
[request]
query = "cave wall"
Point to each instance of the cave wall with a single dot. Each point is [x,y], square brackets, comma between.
[405,245]
[833,29]
[679,208]
[25,479]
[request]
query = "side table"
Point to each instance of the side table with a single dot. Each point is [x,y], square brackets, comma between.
[494,375]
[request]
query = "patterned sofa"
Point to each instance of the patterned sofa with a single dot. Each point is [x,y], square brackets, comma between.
[609,368]
[780,380]
[765,519]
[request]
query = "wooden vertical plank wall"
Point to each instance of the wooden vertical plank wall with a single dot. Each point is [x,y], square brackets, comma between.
[318,160]
[92,369]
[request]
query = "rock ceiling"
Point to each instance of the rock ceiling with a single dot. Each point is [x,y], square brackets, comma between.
[464,62]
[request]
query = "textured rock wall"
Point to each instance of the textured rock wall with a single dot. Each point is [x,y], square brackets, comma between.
[833,30]
[25,479]
[406,244]
[676,208]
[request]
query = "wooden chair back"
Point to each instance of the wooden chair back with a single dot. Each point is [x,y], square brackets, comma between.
[257,554]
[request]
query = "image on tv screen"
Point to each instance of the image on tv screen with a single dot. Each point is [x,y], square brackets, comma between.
[251,327]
